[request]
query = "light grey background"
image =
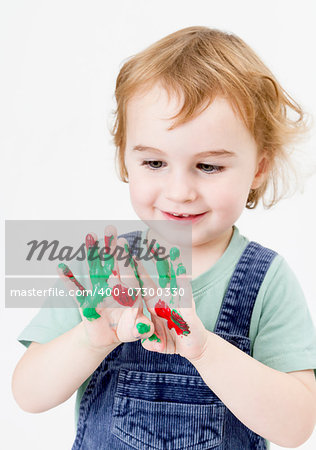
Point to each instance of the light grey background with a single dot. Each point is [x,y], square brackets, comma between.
[59,62]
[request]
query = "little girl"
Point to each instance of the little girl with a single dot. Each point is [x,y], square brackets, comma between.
[202,130]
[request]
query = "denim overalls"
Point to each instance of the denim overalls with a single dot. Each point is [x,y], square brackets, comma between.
[138,399]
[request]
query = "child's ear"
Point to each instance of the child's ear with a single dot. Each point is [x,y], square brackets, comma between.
[261,171]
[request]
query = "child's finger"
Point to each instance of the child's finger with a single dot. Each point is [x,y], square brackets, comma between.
[156,341]
[149,287]
[72,284]
[133,325]
[176,316]
[126,265]
[110,241]
[183,290]
[85,300]
[98,273]
[69,279]
[93,259]
[143,326]
[126,292]
[156,332]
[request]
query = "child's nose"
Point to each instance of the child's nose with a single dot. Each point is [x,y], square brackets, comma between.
[180,188]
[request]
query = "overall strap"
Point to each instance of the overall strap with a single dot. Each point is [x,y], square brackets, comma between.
[239,300]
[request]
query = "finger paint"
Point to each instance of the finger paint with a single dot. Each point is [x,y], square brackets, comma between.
[166,270]
[173,318]
[95,266]
[173,281]
[133,265]
[163,268]
[90,241]
[142,328]
[90,314]
[181,269]
[153,337]
[107,243]
[122,296]
[108,267]
[174,253]
[68,273]
[98,275]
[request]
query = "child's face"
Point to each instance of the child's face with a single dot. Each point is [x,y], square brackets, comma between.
[179,179]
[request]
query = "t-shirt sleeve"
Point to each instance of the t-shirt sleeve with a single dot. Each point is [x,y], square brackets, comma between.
[286,338]
[51,321]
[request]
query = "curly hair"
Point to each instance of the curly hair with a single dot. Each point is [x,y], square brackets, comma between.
[200,63]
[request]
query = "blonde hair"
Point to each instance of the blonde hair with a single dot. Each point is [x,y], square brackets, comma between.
[200,63]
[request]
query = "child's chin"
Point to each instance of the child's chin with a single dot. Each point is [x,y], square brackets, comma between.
[175,233]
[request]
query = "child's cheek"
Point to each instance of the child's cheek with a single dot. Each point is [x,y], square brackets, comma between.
[229,201]
[141,196]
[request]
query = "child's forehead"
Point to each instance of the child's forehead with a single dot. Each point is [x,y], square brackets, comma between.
[149,112]
[154,99]
[157,104]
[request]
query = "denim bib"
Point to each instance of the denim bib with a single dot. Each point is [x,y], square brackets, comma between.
[137,399]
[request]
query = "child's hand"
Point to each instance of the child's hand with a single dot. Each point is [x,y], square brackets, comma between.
[112,311]
[178,328]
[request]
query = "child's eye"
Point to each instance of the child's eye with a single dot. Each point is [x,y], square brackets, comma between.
[210,168]
[152,165]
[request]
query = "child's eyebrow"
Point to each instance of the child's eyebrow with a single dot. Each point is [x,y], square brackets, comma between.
[219,152]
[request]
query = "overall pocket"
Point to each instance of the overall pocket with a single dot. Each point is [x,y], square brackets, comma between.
[166,411]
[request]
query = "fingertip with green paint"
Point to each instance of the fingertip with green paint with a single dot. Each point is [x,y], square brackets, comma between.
[90,314]
[174,253]
[181,269]
[153,337]
[142,328]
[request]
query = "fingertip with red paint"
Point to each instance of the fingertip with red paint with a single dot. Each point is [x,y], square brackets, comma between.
[90,241]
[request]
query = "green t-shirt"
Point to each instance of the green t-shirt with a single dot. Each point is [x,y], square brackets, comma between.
[282,333]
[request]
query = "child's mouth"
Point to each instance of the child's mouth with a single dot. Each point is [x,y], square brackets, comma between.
[183,217]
